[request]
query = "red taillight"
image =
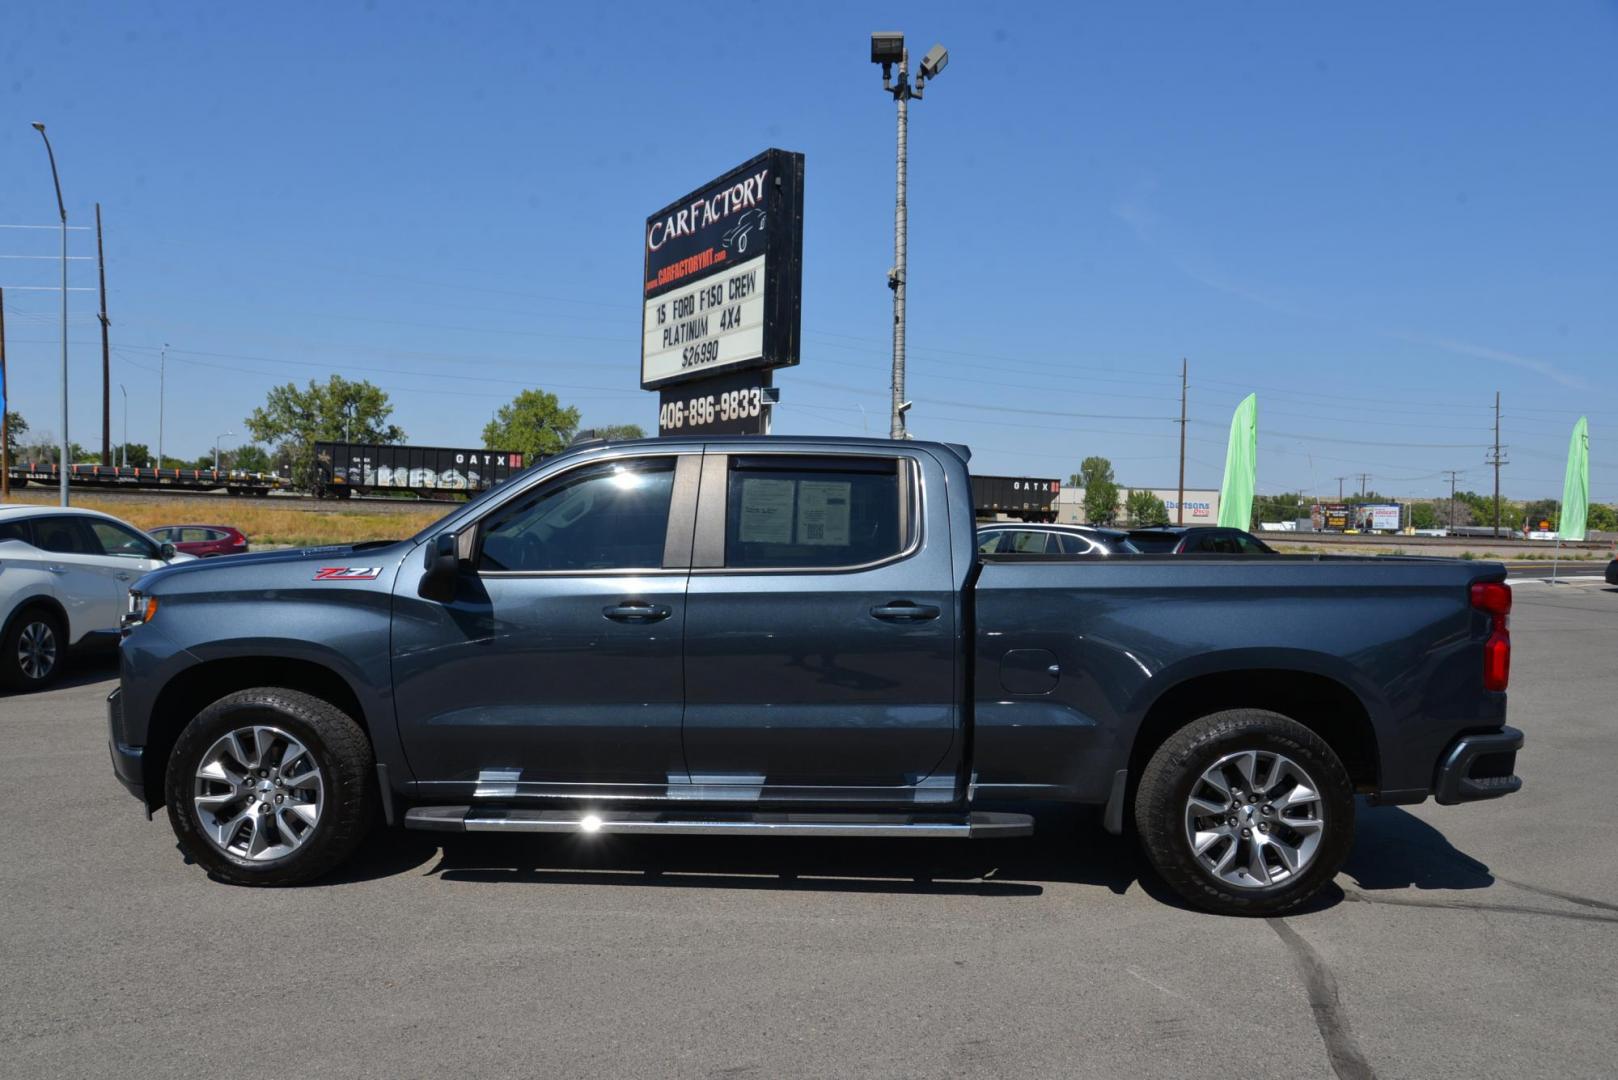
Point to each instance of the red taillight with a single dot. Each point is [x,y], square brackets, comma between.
[1493,598]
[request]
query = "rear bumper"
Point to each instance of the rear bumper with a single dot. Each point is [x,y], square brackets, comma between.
[126,760]
[1479,767]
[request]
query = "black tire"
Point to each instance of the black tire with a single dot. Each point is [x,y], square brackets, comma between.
[32,621]
[340,749]
[1167,784]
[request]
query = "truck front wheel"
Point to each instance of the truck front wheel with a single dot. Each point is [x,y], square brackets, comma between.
[270,786]
[1245,812]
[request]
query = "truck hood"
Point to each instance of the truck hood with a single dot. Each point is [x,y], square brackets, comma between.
[338,562]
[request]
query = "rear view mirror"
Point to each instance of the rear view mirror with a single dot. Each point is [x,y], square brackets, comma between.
[165,551]
[441,566]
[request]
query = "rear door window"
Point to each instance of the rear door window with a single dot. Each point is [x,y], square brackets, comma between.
[1250,546]
[64,535]
[814,511]
[989,542]
[1077,545]
[1028,542]
[16,530]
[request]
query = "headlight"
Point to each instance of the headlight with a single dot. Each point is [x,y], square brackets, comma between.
[141,609]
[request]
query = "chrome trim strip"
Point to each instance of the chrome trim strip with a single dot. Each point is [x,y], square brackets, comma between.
[978,824]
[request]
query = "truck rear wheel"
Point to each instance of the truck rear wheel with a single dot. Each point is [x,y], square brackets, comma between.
[270,786]
[1245,812]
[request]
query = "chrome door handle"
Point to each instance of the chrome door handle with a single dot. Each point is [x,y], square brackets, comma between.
[122,576]
[57,569]
[904,611]
[637,613]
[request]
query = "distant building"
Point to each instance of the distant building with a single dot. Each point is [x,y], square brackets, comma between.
[1201,505]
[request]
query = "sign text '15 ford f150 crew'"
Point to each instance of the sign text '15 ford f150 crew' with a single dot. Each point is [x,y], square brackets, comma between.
[799,636]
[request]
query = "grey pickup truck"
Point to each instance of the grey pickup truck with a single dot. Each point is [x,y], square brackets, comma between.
[798,636]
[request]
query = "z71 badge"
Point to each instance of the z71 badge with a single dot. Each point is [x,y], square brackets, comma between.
[348,573]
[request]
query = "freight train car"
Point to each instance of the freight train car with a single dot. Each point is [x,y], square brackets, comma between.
[1022,498]
[342,469]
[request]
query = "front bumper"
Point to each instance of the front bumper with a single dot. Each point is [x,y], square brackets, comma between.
[126,760]
[1479,767]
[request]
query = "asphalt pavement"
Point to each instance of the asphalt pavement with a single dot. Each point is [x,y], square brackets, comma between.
[1474,941]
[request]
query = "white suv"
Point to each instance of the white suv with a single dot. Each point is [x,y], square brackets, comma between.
[64,581]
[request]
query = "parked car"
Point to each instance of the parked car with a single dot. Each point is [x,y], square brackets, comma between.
[64,582]
[203,541]
[1612,572]
[796,636]
[1015,538]
[1197,540]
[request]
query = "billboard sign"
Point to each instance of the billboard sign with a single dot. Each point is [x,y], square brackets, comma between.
[1378,517]
[1329,517]
[722,273]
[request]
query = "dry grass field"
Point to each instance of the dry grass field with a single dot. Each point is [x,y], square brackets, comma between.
[299,524]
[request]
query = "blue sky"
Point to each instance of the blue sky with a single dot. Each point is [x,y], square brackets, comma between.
[1374,215]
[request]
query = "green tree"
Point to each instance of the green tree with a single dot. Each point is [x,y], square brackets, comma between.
[140,455]
[1286,507]
[1602,517]
[534,424]
[1423,515]
[1100,492]
[1533,513]
[16,428]
[337,411]
[620,432]
[1146,509]
[250,458]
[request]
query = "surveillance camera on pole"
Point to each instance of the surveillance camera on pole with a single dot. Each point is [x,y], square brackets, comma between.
[888,49]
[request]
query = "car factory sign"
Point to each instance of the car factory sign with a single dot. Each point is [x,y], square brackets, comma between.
[722,272]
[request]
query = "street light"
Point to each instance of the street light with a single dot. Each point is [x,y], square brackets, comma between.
[888,49]
[61,465]
[216,438]
[125,455]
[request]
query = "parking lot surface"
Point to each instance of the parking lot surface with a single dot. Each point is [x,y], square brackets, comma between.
[1477,941]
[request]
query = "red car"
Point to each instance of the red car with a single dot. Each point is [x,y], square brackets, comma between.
[203,541]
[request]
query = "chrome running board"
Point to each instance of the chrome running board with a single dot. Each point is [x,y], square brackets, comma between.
[975,825]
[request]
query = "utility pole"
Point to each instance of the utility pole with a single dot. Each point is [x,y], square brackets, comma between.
[5,410]
[1179,510]
[106,362]
[888,49]
[125,447]
[1364,476]
[162,366]
[1340,480]
[1496,458]
[1453,474]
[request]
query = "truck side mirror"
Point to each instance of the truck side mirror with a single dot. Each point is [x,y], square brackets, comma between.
[441,561]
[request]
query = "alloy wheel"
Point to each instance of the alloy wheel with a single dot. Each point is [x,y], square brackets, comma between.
[36,650]
[258,793]
[1254,819]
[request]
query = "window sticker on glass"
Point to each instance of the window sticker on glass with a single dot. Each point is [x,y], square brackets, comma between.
[823,512]
[766,516]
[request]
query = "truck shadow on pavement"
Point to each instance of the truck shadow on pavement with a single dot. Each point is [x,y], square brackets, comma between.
[1394,850]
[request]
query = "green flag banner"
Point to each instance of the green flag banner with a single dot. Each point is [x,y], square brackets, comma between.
[1241,467]
[1576,486]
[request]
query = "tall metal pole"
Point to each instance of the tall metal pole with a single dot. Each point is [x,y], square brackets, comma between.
[162,366]
[1180,511]
[106,363]
[216,439]
[61,464]
[5,410]
[900,242]
[125,448]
